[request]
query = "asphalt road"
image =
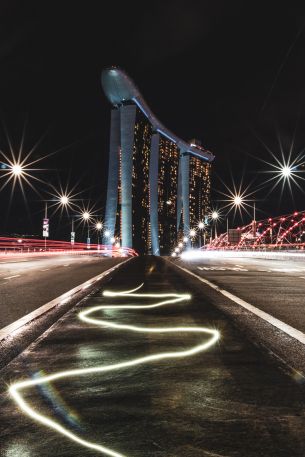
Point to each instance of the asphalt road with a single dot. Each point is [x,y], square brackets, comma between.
[227,400]
[27,283]
[274,286]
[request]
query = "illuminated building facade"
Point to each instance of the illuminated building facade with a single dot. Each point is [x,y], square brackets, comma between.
[157,183]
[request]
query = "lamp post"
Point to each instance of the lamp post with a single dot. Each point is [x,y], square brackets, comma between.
[192,236]
[215,217]
[237,201]
[64,201]
[98,227]
[201,226]
[86,217]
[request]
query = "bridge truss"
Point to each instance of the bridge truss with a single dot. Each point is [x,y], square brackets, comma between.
[280,233]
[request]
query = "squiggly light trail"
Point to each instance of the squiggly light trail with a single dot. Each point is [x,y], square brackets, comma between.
[16,388]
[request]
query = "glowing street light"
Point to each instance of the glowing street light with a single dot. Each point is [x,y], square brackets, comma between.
[177,250]
[64,200]
[185,239]
[98,227]
[16,169]
[286,171]
[86,216]
[112,240]
[214,216]
[237,200]
[201,225]
[192,233]
[180,245]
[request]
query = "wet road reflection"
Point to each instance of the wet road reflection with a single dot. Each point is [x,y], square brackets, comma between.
[16,389]
[106,382]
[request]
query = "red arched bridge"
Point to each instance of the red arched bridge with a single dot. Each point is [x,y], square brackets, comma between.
[279,233]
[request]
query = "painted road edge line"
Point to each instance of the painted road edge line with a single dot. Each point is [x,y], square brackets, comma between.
[291,331]
[62,299]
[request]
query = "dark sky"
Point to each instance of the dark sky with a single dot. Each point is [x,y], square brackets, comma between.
[226,72]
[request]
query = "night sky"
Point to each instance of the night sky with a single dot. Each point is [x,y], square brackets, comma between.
[231,74]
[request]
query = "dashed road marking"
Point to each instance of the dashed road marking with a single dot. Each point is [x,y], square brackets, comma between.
[222,269]
[10,277]
[286,328]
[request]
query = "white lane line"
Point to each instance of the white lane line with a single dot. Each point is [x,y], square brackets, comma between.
[66,265]
[10,277]
[291,331]
[302,277]
[45,269]
[4,283]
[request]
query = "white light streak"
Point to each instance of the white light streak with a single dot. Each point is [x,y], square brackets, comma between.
[170,298]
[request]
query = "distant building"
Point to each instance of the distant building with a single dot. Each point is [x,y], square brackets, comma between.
[157,183]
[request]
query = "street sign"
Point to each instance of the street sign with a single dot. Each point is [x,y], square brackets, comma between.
[45,228]
[234,236]
[72,237]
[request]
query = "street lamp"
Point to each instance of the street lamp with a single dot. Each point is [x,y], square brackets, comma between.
[16,169]
[98,227]
[86,217]
[64,200]
[237,200]
[286,171]
[201,226]
[192,236]
[215,217]
[185,239]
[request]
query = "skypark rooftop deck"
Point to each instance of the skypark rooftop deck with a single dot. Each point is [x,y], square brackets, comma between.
[119,89]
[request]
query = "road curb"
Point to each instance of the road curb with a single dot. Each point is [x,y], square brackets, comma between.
[15,337]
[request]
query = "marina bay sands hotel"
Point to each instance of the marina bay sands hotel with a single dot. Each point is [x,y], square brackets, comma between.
[158,185]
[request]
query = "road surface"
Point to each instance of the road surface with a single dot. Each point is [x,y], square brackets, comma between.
[228,399]
[274,286]
[30,282]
